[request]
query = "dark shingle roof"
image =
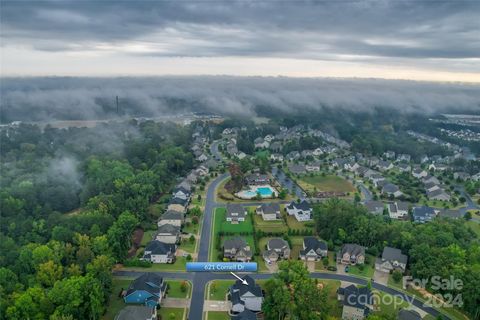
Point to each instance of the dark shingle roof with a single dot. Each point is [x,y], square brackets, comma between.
[269,208]
[353,249]
[423,211]
[172,215]
[277,243]
[158,247]
[251,287]
[245,315]
[168,228]
[408,315]
[148,281]
[357,297]
[394,254]
[304,205]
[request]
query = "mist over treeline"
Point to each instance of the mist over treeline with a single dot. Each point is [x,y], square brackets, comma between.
[77,98]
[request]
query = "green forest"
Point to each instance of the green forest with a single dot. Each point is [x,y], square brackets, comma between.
[70,201]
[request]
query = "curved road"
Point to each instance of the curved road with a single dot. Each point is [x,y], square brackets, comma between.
[200,279]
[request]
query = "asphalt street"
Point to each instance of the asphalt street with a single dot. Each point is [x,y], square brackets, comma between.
[200,279]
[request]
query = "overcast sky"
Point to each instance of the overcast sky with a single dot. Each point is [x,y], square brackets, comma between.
[420,40]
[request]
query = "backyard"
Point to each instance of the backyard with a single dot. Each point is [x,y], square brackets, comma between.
[222,225]
[115,302]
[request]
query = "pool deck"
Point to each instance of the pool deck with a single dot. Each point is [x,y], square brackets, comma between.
[252,192]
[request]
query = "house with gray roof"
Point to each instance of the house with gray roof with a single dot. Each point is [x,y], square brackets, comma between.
[423,214]
[438,194]
[299,168]
[168,233]
[450,214]
[398,210]
[392,259]
[351,253]
[374,207]
[172,217]
[302,211]
[235,213]
[269,211]
[357,302]
[159,252]
[313,249]
[237,249]
[391,189]
[137,313]
[148,289]
[277,248]
[245,296]
[405,314]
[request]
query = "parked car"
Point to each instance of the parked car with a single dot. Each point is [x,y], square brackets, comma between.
[331,268]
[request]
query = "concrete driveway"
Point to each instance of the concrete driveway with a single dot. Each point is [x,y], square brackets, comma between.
[381,277]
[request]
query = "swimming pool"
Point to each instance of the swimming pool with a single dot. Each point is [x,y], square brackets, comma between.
[265,192]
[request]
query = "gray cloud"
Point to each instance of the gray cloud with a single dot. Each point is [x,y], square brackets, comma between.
[310,29]
[93,98]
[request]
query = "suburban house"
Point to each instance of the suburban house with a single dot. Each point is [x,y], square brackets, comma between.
[404,167]
[293,155]
[389,154]
[313,249]
[391,190]
[357,302]
[276,157]
[148,289]
[404,157]
[235,213]
[461,176]
[257,179]
[431,186]
[244,315]
[429,178]
[392,259]
[269,138]
[181,192]
[160,252]
[299,168]
[269,211]
[419,173]
[384,165]
[423,214]
[450,214]
[261,143]
[172,217]
[277,248]
[301,210]
[398,210]
[376,178]
[405,314]
[168,233]
[137,313]
[276,146]
[375,207]
[177,204]
[351,254]
[245,296]
[438,194]
[237,249]
[314,166]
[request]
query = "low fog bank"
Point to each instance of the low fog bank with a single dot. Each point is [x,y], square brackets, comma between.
[59,98]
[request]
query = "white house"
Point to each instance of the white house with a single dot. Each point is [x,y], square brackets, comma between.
[398,210]
[302,211]
[159,252]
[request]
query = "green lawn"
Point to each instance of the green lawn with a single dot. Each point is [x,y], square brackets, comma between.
[175,291]
[191,228]
[475,226]
[171,313]
[388,304]
[368,269]
[219,288]
[297,245]
[222,225]
[187,245]
[269,226]
[147,237]
[115,303]
[294,224]
[326,183]
[217,315]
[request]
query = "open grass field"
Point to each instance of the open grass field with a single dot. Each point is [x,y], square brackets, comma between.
[217,315]
[269,226]
[175,291]
[116,303]
[332,286]
[172,313]
[475,226]
[294,224]
[222,225]
[325,183]
[218,289]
